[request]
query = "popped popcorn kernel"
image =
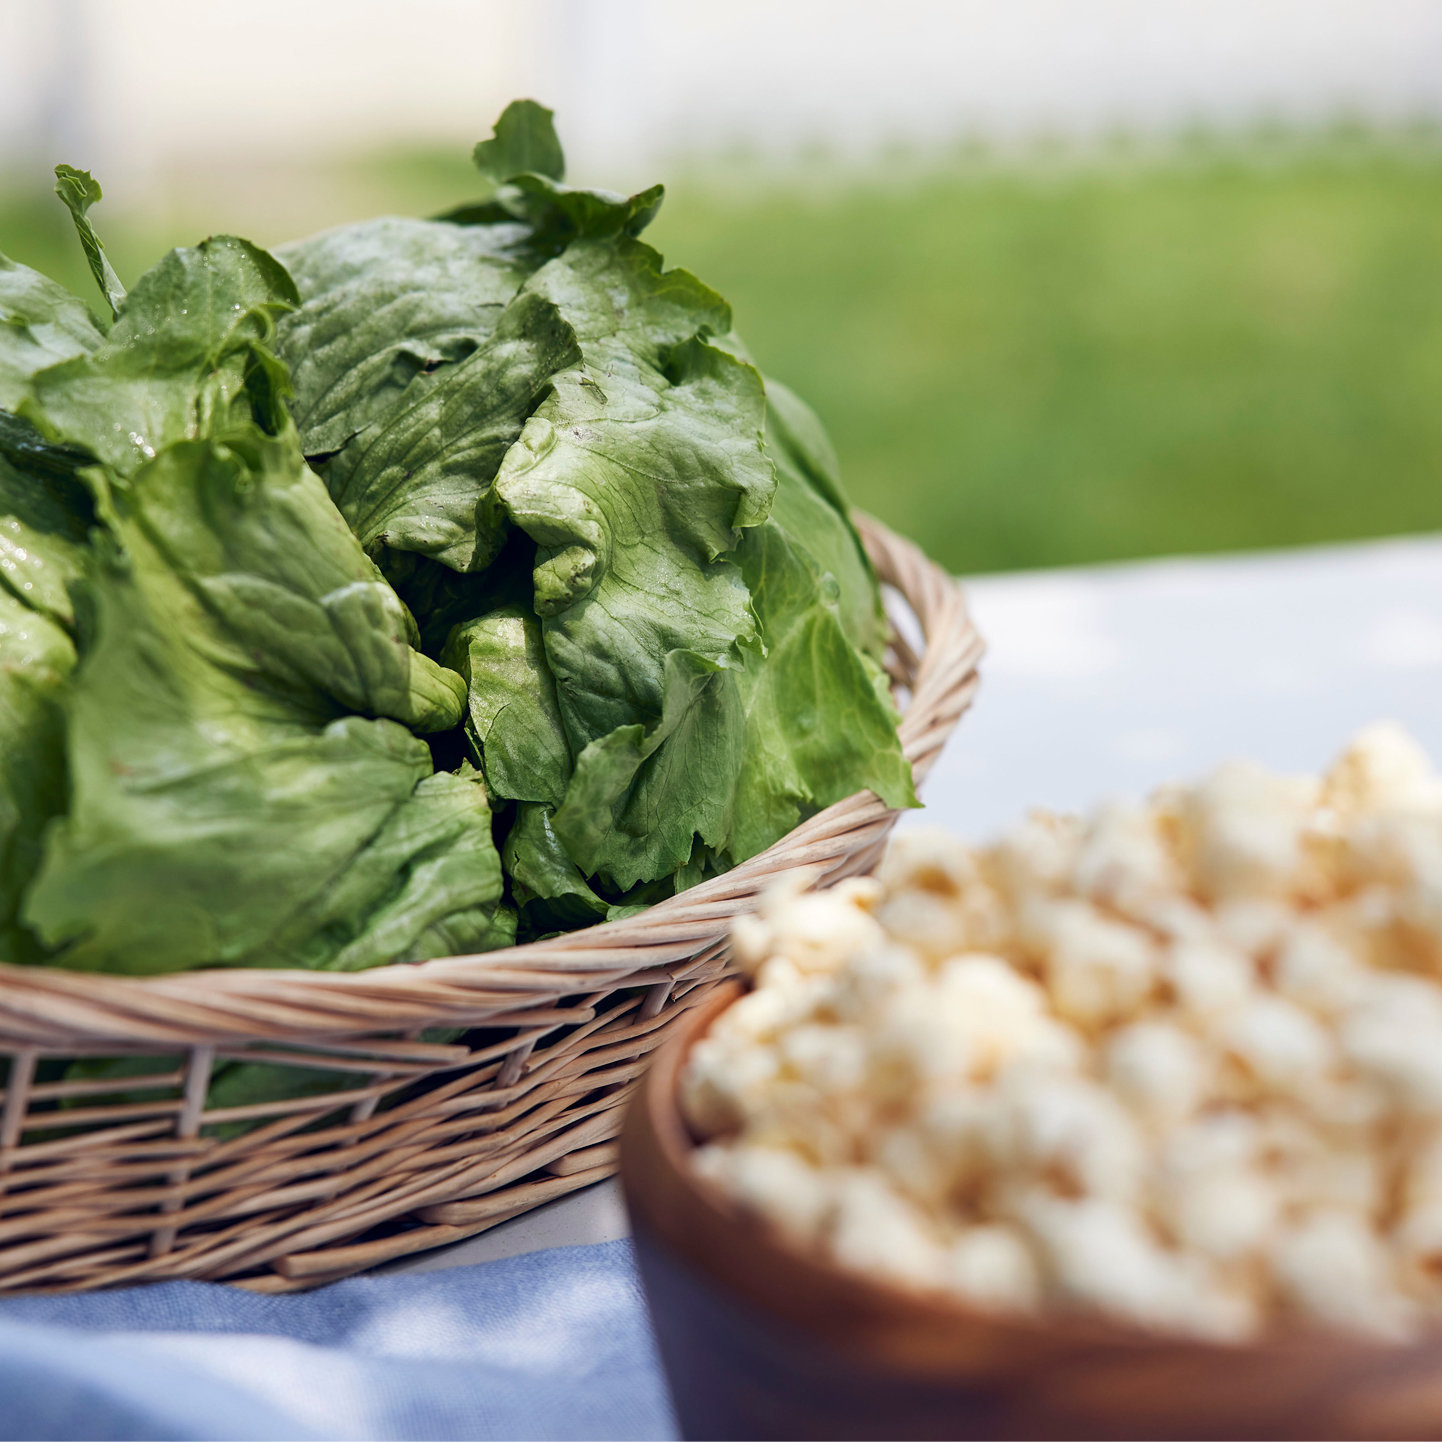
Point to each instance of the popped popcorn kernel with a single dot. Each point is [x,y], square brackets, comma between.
[928,859]
[1331,1268]
[1418,1241]
[1100,1255]
[1158,1071]
[1098,970]
[1208,978]
[875,1229]
[992,1267]
[1276,1048]
[1246,828]
[774,1180]
[821,931]
[1123,861]
[1179,1063]
[1382,769]
[1226,1215]
[1316,970]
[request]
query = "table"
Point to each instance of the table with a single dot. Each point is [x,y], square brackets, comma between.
[1099,681]
[1110,680]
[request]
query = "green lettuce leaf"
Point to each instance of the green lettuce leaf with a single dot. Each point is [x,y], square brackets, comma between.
[41,323]
[634,478]
[43,526]
[189,355]
[222,812]
[43,523]
[384,302]
[421,480]
[547,885]
[809,503]
[512,718]
[524,143]
[523,166]
[796,720]
[36,658]
[820,723]
[642,795]
[246,537]
[80,190]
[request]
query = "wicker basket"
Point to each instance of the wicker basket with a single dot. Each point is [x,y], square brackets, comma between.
[412,1144]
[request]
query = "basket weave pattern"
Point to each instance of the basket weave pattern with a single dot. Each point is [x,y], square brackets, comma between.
[102,1183]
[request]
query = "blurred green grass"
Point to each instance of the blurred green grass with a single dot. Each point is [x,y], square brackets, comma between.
[1223,349]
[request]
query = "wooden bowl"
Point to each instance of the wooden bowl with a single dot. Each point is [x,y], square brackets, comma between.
[761,1338]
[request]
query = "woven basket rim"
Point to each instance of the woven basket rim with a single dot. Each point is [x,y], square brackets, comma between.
[220,1002]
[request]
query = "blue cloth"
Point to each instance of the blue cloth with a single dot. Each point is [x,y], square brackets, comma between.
[550,1344]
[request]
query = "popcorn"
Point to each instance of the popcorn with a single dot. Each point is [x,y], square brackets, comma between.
[943,1153]
[1065,1133]
[1255,925]
[1099,1255]
[1384,769]
[1394,1037]
[1123,862]
[1246,830]
[1224,1215]
[773,1180]
[932,926]
[863,989]
[1208,978]
[1277,1048]
[816,931]
[1315,970]
[1333,1269]
[929,860]
[1157,1070]
[1098,970]
[1038,855]
[1422,1179]
[1419,1248]
[993,1267]
[724,1085]
[1180,1064]
[875,1229]
[832,1059]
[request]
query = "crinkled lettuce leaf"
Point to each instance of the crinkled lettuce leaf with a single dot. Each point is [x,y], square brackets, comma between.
[810,504]
[820,723]
[635,478]
[420,480]
[524,143]
[523,168]
[36,658]
[383,302]
[421,519]
[547,885]
[641,795]
[42,549]
[44,521]
[796,720]
[41,323]
[189,355]
[224,810]
[255,552]
[513,718]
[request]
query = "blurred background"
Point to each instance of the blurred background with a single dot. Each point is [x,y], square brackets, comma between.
[1068,280]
